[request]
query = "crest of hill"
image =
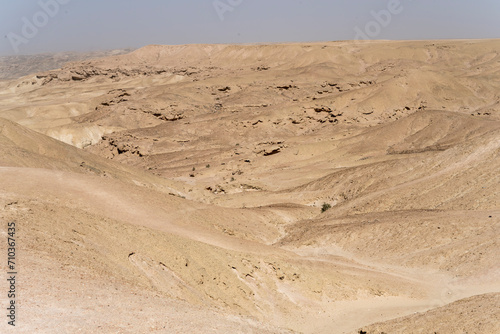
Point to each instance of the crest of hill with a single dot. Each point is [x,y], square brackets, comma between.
[375,80]
[474,315]
[22,147]
[304,54]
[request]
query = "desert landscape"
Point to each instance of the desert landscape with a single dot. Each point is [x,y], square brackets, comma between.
[335,187]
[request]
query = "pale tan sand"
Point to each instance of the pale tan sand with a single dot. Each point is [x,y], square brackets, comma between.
[178,189]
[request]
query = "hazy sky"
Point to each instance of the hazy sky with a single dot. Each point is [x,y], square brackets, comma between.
[29,26]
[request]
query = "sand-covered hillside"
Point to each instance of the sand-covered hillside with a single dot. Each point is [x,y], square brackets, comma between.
[337,187]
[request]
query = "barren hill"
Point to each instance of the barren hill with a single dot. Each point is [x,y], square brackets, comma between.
[315,188]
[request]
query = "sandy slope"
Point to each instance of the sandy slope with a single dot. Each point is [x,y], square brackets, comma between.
[472,315]
[179,189]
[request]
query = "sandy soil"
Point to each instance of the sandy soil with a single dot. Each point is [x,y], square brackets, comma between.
[334,187]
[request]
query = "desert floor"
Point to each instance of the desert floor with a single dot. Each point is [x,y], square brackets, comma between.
[336,187]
